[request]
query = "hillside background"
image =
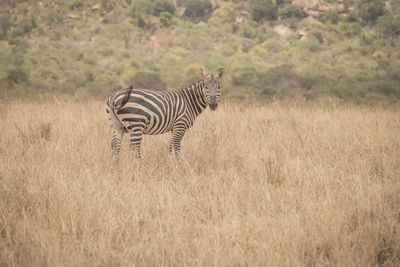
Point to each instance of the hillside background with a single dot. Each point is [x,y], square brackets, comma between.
[283,49]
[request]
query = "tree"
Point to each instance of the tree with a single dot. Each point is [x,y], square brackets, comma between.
[388,25]
[263,9]
[371,10]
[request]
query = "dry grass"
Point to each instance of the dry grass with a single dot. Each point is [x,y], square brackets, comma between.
[258,185]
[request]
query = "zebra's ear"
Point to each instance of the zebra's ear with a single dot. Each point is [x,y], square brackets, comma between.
[220,72]
[203,73]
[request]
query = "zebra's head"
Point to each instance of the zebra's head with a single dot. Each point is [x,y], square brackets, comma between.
[212,88]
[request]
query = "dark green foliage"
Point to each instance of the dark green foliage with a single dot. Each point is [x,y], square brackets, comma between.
[75,4]
[276,74]
[160,6]
[352,17]
[388,25]
[283,2]
[268,92]
[384,87]
[16,76]
[308,82]
[197,8]
[139,6]
[25,27]
[280,77]
[330,16]
[291,11]
[148,80]
[351,29]
[153,7]
[263,10]
[165,18]
[5,24]
[371,10]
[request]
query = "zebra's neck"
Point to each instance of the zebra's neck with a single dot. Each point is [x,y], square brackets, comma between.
[195,99]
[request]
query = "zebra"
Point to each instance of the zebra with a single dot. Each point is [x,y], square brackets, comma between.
[143,111]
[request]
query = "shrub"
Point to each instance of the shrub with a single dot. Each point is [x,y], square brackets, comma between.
[25,27]
[330,16]
[263,9]
[148,80]
[268,92]
[291,11]
[371,10]
[244,76]
[75,5]
[5,24]
[16,76]
[282,2]
[308,82]
[153,7]
[384,87]
[388,25]
[196,8]
[139,6]
[351,29]
[165,18]
[160,6]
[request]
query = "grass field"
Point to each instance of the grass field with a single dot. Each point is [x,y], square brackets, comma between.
[273,185]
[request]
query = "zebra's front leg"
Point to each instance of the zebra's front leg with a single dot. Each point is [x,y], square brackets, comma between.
[136,140]
[177,136]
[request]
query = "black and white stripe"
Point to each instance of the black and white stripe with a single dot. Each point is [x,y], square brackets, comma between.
[142,111]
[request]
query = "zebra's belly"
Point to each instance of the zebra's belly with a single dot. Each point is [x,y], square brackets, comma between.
[157,126]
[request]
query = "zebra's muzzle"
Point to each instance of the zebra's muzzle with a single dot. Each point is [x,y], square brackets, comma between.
[213,106]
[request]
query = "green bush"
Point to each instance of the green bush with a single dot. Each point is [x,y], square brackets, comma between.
[384,87]
[165,18]
[371,10]
[263,9]
[351,29]
[268,92]
[16,76]
[308,82]
[330,16]
[244,76]
[142,6]
[152,7]
[282,2]
[5,24]
[160,6]
[276,74]
[388,25]
[291,11]
[196,8]
[75,4]
[25,27]
[148,80]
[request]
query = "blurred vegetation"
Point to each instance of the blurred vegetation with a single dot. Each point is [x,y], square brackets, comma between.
[269,49]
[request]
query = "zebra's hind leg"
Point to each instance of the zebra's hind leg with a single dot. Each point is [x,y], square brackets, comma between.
[118,133]
[136,140]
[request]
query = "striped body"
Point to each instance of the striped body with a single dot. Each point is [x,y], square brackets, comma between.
[142,111]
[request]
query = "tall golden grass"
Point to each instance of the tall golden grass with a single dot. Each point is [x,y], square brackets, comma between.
[256,185]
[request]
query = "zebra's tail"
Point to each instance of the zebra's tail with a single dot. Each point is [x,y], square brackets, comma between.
[112,103]
[111,108]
